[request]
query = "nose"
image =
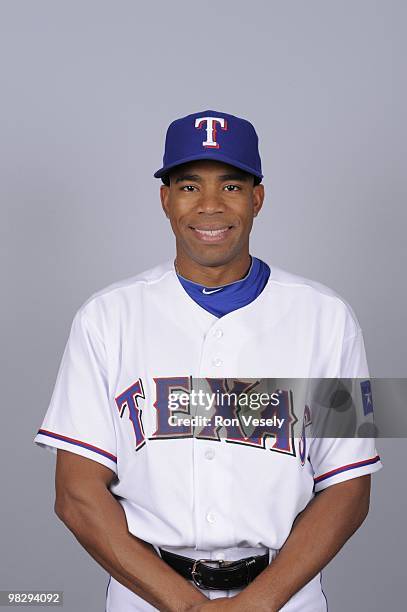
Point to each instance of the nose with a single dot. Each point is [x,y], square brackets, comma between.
[210,203]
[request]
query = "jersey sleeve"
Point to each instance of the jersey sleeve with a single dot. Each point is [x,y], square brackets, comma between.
[79,417]
[335,460]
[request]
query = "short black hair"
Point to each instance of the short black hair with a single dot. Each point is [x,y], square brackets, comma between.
[256,179]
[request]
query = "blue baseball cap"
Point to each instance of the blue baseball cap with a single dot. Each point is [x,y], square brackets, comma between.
[212,135]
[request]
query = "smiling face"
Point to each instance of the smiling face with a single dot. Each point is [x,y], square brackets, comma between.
[211,206]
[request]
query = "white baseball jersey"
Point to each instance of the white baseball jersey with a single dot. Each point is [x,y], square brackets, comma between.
[203,496]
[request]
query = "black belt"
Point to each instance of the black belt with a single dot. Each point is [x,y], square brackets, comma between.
[228,574]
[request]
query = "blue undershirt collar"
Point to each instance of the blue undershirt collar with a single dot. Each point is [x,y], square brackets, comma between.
[226,298]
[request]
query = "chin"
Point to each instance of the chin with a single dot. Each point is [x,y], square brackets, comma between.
[213,259]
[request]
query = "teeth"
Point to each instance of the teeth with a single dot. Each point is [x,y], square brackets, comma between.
[212,232]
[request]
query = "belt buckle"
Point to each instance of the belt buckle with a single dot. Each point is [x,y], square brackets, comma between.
[194,571]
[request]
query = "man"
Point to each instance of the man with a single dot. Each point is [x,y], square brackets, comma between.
[196,517]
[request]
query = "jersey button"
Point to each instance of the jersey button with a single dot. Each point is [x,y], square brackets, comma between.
[210,517]
[209,454]
[218,333]
[217,362]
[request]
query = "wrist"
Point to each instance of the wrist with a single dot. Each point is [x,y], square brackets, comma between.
[244,603]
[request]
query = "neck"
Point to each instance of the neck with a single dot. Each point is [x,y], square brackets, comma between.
[216,275]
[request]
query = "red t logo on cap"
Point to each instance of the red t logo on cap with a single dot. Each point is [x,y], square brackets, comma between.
[211,129]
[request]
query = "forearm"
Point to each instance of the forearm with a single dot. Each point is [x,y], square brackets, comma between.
[98,522]
[317,535]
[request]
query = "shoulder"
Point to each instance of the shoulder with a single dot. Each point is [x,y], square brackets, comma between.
[300,284]
[315,297]
[147,277]
[111,301]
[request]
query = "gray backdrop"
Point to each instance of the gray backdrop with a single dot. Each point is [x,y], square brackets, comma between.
[87,91]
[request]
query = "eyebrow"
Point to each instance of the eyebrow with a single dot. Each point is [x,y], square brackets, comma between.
[234,176]
[189,177]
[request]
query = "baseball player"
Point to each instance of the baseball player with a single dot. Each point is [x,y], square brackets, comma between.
[199,516]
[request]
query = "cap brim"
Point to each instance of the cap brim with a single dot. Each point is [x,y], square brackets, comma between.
[213,156]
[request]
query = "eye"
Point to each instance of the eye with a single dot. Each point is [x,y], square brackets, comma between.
[232,187]
[189,188]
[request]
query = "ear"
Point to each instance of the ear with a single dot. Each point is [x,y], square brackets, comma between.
[258,198]
[164,195]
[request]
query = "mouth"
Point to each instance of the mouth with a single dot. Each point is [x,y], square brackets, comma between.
[211,234]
